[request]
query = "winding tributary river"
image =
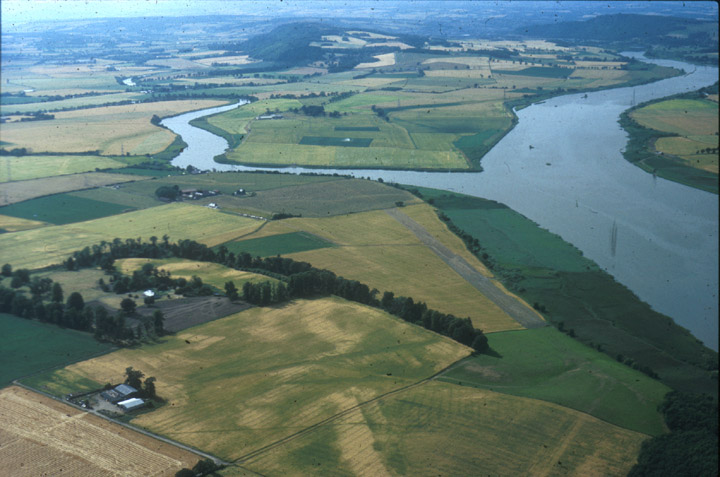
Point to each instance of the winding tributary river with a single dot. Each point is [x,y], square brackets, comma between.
[575,182]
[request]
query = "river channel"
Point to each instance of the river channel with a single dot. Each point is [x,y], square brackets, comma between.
[657,237]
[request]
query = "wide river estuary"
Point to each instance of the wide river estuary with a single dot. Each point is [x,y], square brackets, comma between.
[575,182]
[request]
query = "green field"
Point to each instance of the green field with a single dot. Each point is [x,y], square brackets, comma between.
[34,167]
[545,270]
[30,346]
[546,364]
[357,128]
[280,244]
[62,209]
[336,141]
[238,383]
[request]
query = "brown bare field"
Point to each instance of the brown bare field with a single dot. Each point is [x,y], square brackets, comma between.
[41,436]
[183,313]
[110,129]
[377,250]
[15,224]
[11,192]
[442,429]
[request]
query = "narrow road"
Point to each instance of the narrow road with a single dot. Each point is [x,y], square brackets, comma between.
[508,303]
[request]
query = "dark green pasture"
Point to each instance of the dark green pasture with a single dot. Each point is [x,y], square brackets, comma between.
[62,209]
[278,244]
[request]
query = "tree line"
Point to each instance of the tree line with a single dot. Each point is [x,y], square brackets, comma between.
[295,280]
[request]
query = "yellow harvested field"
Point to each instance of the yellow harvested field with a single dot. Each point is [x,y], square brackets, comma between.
[444,429]
[41,436]
[377,250]
[472,61]
[611,76]
[339,39]
[230,60]
[210,273]
[33,167]
[388,59]
[600,64]
[51,245]
[17,191]
[110,129]
[713,97]
[238,383]
[395,44]
[15,224]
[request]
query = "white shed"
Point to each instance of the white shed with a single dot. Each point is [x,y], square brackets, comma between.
[130,404]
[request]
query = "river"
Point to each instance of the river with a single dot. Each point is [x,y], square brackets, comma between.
[657,237]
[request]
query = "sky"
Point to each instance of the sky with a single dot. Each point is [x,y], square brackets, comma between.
[22,11]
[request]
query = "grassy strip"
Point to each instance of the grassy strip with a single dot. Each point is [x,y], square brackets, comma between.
[577,296]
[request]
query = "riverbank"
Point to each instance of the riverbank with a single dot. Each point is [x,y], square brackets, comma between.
[575,295]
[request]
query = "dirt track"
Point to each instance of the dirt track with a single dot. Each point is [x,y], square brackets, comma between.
[509,304]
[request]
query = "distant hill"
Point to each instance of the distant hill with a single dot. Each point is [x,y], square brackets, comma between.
[645,29]
[289,43]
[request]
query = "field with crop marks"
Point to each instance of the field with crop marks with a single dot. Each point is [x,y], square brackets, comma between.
[110,129]
[444,429]
[42,437]
[375,249]
[82,102]
[284,368]
[18,191]
[548,365]
[210,273]
[34,167]
[36,346]
[51,245]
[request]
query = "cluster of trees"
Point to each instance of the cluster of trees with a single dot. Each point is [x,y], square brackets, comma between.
[691,446]
[297,280]
[380,112]
[39,116]
[146,389]
[202,468]
[170,193]
[47,304]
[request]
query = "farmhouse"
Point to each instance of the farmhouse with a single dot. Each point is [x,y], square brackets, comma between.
[130,404]
[118,393]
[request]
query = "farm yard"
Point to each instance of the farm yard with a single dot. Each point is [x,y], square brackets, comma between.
[42,437]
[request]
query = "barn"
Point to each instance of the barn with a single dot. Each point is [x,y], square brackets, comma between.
[118,393]
[132,403]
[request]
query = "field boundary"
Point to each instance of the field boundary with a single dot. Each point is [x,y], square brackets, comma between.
[507,303]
